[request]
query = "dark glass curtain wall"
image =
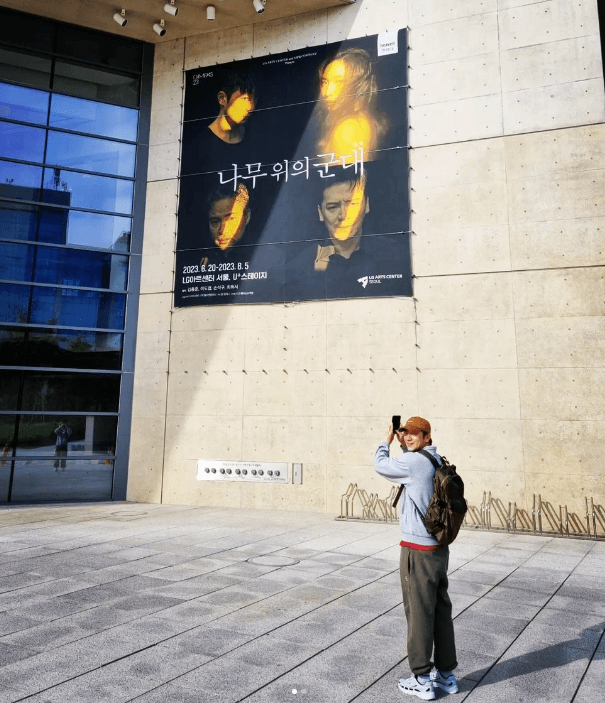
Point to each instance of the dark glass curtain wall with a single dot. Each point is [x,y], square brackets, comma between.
[74,126]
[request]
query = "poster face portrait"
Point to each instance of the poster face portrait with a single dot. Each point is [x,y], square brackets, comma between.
[294,177]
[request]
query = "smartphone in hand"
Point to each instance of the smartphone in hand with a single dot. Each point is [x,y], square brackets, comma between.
[396,422]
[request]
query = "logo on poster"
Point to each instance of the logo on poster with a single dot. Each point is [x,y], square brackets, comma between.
[378,278]
[198,76]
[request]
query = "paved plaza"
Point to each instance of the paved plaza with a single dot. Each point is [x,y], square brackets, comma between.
[120,602]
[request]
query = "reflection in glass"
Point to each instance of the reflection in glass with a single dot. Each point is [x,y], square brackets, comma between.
[18,181]
[104,49]
[23,104]
[72,267]
[78,392]
[14,302]
[85,434]
[102,231]
[53,226]
[17,261]
[20,142]
[7,429]
[82,479]
[59,348]
[93,117]
[12,347]
[87,229]
[77,308]
[96,84]
[86,191]
[26,30]
[90,154]
[18,221]
[24,68]
[9,390]
[7,437]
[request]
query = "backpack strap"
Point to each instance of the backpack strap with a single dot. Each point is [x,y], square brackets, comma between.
[435,464]
[430,457]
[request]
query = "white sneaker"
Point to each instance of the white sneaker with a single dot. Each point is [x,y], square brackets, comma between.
[424,690]
[449,684]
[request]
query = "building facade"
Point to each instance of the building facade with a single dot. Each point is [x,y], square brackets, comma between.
[500,345]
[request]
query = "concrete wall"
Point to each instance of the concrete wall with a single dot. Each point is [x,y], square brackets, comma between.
[501,347]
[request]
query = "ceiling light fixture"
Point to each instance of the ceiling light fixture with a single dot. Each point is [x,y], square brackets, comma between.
[259,6]
[159,28]
[171,9]
[210,13]
[120,18]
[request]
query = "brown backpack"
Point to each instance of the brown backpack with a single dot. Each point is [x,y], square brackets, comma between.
[447,508]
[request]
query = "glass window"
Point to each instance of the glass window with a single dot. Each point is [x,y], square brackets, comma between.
[90,154]
[86,229]
[59,348]
[79,392]
[9,389]
[26,30]
[18,221]
[87,191]
[19,182]
[93,117]
[96,84]
[17,261]
[20,142]
[7,437]
[73,267]
[74,479]
[53,226]
[104,49]
[12,347]
[24,68]
[85,434]
[77,308]
[102,231]
[14,303]
[73,349]
[24,104]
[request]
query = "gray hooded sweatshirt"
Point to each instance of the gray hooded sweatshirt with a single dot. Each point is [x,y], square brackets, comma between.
[416,473]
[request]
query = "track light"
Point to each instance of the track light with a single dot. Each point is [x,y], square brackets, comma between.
[210,13]
[159,28]
[171,8]
[259,6]
[120,18]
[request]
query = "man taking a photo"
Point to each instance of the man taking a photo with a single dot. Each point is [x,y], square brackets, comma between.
[423,564]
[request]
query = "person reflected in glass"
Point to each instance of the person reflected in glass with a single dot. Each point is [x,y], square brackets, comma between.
[236,101]
[63,433]
[6,451]
[348,119]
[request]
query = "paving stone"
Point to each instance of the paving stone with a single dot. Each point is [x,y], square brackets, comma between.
[99,687]
[331,626]
[549,674]
[211,679]
[205,640]
[518,595]
[505,608]
[10,653]
[490,622]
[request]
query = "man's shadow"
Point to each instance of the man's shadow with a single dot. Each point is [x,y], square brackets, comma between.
[553,656]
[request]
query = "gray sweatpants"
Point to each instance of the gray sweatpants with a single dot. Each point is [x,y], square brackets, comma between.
[428,609]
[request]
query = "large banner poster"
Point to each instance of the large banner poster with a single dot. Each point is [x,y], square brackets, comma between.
[294,177]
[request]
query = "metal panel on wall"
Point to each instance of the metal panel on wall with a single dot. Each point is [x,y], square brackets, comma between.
[294,177]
